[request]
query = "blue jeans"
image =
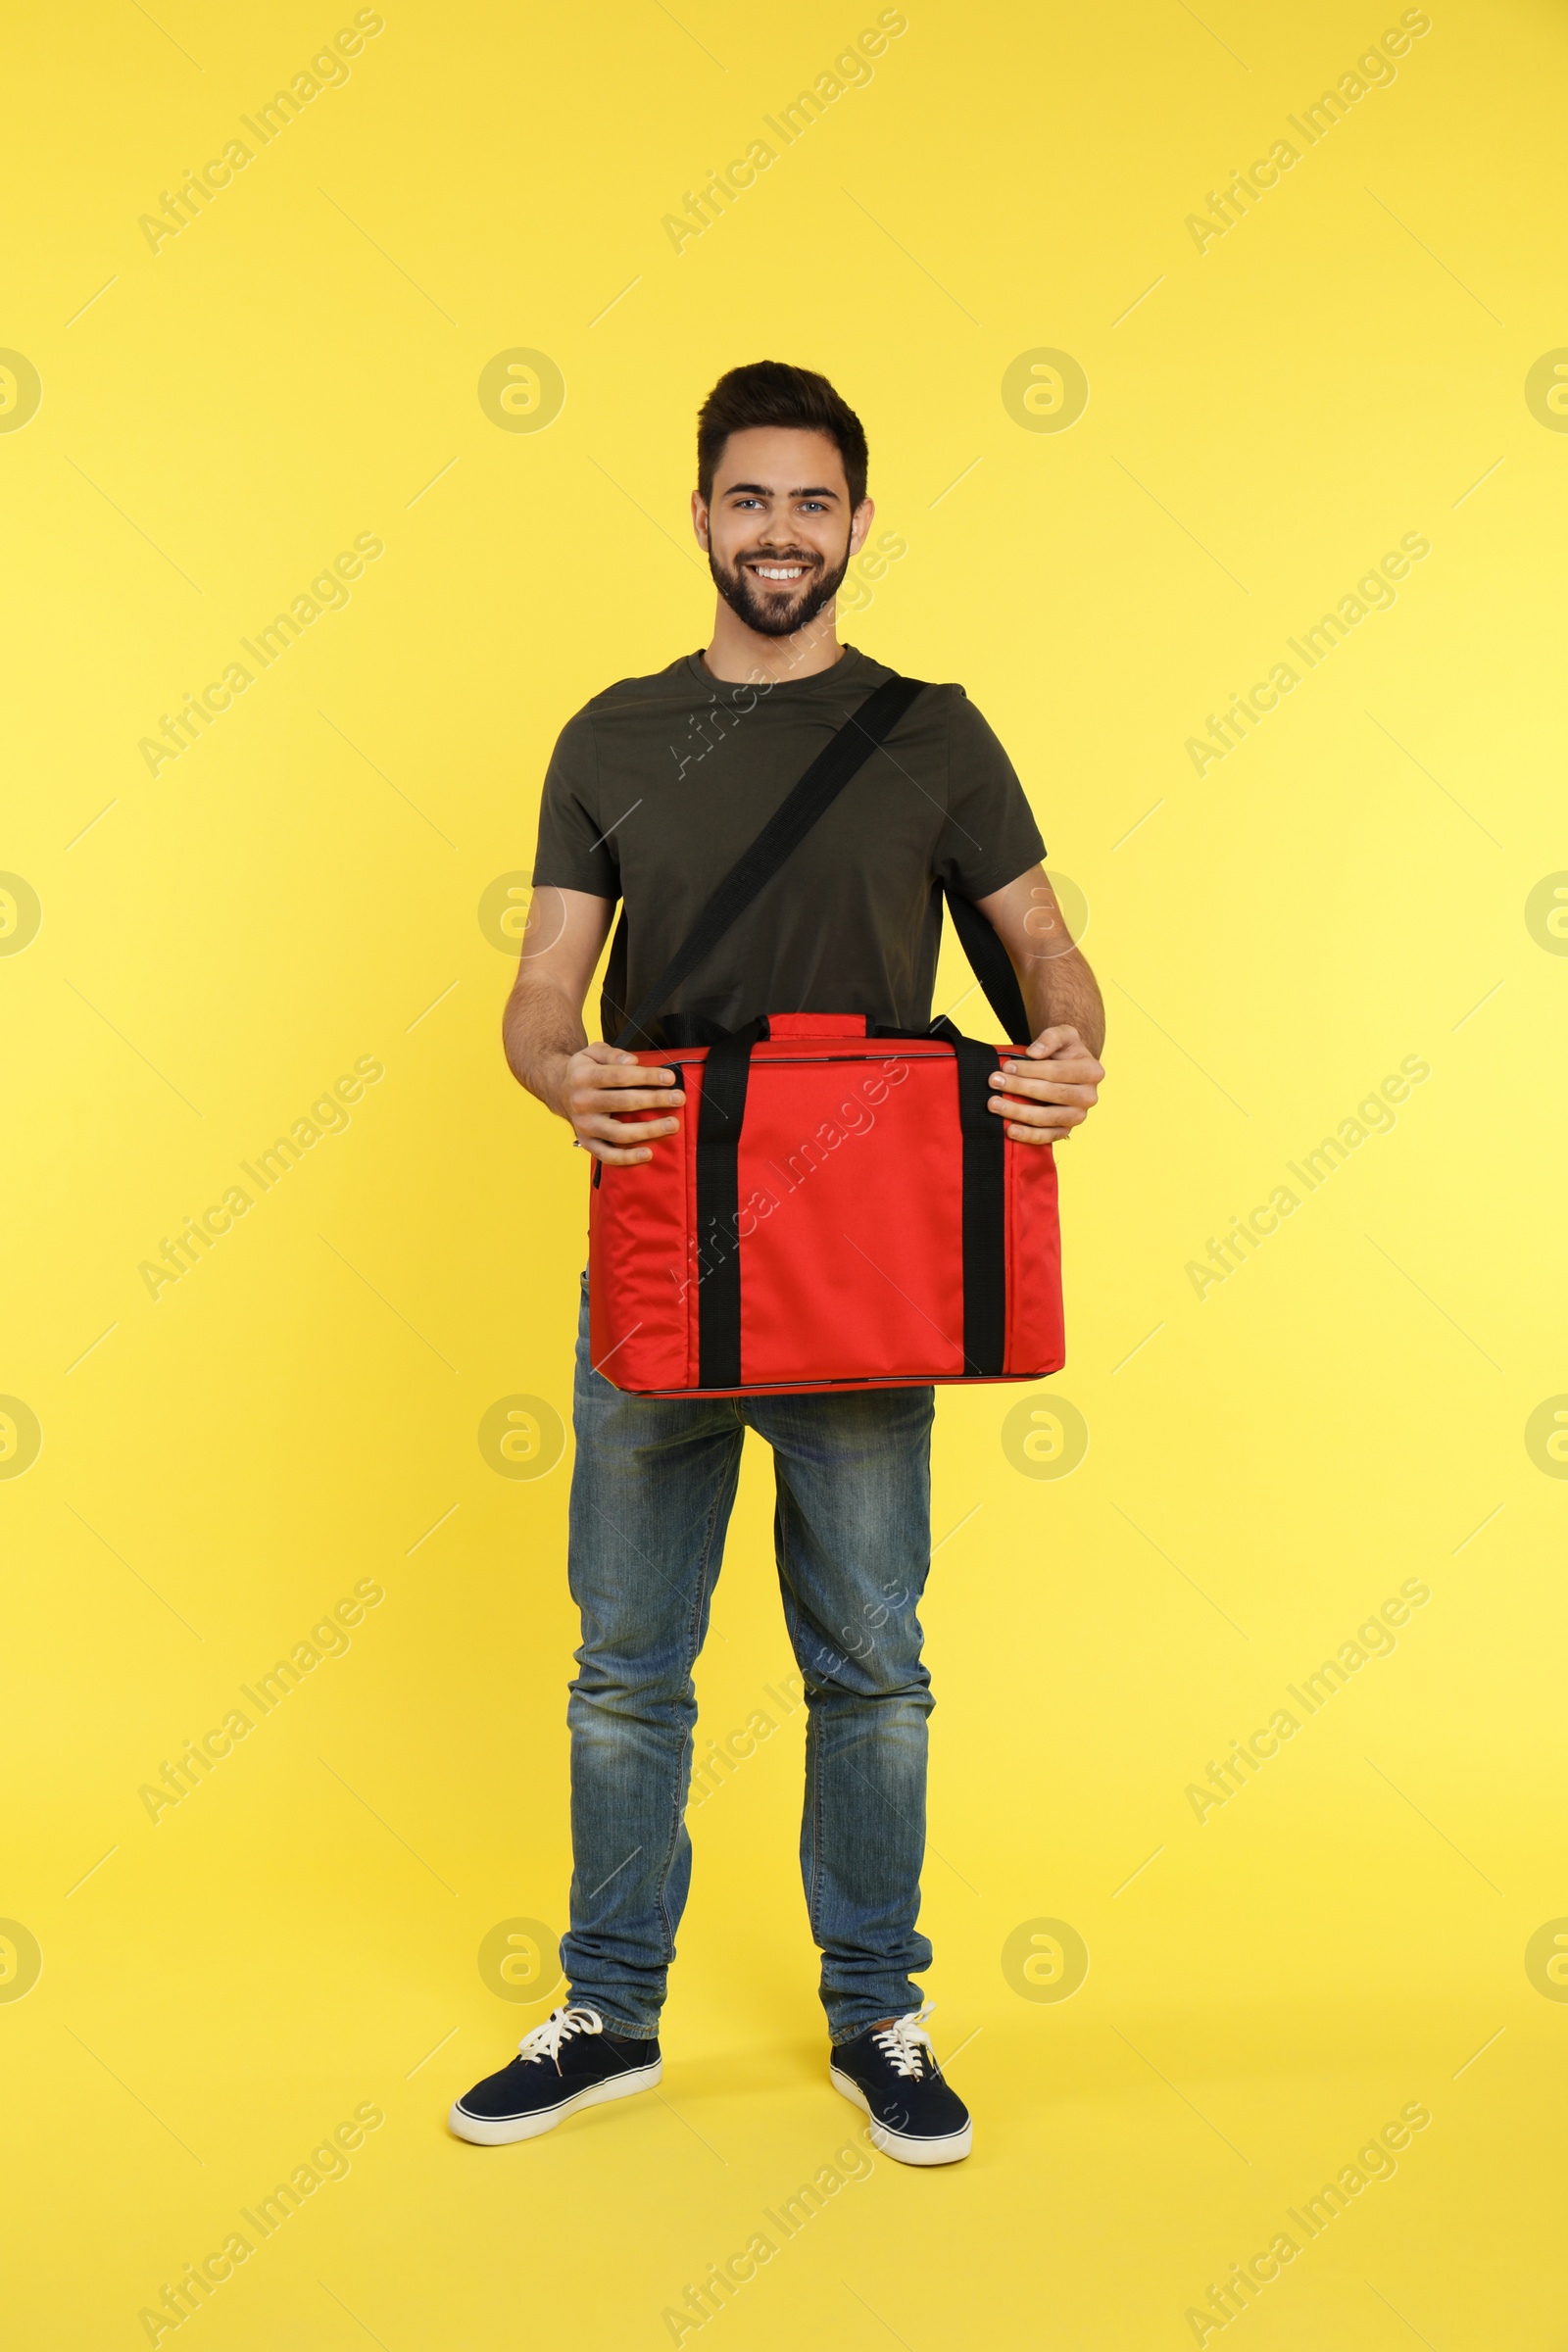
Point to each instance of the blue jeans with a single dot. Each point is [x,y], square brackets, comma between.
[650,1498]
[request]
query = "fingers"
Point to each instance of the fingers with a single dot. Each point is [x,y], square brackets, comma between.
[618,1155]
[1039,1123]
[1036,1088]
[602,1078]
[608,1084]
[628,1071]
[630,1134]
[1063,1036]
[1039,1110]
[1077,1066]
[587,1100]
[610,1155]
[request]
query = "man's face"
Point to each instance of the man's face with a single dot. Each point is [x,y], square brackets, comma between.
[778,530]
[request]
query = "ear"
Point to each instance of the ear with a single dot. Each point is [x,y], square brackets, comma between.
[859,523]
[700,519]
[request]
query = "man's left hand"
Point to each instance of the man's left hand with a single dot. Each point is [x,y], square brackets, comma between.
[1048,1091]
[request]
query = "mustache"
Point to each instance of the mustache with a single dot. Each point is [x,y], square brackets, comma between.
[780,555]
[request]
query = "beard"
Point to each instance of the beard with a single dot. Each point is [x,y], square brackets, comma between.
[770,608]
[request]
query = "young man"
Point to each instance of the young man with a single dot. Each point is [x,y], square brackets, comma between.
[655,789]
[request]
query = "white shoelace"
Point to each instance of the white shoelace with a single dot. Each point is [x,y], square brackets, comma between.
[905,2042]
[545,2040]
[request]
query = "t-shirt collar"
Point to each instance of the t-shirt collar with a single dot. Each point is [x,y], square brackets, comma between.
[844,670]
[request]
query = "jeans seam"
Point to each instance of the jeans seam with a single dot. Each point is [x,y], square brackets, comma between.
[813,1746]
[701,1595]
[813,1731]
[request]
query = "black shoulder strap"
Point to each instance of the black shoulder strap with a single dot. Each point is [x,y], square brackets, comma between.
[991,966]
[785,830]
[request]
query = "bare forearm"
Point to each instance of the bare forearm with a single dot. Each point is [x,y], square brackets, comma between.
[1062,992]
[541,1030]
[596,1089]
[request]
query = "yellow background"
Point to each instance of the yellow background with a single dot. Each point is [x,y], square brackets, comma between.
[1345,889]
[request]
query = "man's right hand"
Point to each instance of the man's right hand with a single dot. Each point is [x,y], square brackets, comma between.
[596,1089]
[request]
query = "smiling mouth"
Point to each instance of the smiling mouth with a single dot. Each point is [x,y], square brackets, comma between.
[784,574]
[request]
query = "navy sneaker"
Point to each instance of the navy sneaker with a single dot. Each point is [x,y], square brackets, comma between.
[569,2062]
[891,2071]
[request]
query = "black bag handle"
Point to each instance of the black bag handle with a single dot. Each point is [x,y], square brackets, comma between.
[811,798]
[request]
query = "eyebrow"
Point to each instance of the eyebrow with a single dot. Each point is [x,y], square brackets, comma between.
[763,490]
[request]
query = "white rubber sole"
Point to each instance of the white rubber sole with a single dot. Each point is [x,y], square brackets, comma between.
[898,2144]
[499,2131]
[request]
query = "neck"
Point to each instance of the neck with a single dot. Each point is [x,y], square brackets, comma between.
[740,656]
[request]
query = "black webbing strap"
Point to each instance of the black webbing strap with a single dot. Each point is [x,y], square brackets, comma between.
[785,830]
[984,1132]
[985,1234]
[990,965]
[725,1075]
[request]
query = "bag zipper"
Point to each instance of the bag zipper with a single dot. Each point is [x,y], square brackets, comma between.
[782,1061]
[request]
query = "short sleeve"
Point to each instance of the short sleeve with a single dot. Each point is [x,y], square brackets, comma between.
[573,852]
[990,836]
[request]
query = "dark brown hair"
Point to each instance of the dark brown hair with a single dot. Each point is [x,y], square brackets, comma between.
[770,392]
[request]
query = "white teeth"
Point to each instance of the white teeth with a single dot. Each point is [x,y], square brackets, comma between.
[776,572]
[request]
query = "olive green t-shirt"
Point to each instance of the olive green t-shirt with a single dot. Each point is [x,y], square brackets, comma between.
[657,785]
